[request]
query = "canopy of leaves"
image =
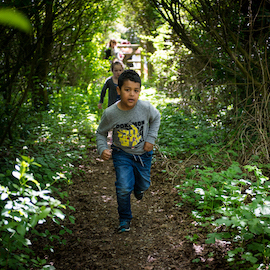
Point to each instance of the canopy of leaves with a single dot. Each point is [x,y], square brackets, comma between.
[228,63]
[231,36]
[60,30]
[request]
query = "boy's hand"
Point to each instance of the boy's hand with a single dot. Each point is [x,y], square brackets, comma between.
[148,147]
[106,154]
[99,106]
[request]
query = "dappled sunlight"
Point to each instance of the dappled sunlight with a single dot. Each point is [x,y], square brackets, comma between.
[106,198]
[198,249]
[157,98]
[206,71]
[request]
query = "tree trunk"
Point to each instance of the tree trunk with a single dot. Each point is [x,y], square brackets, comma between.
[42,60]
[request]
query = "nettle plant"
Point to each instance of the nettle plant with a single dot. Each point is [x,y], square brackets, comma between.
[237,207]
[24,205]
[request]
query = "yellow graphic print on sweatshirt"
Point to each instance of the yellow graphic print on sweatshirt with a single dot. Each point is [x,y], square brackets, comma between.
[129,138]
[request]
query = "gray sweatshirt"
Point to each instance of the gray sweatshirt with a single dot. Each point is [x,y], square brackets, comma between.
[131,129]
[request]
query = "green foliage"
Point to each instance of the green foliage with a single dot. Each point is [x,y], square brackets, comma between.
[192,238]
[215,52]
[229,199]
[87,65]
[24,204]
[59,137]
[207,189]
[218,35]
[164,56]
[64,48]
[58,140]
[140,17]
[183,134]
[14,18]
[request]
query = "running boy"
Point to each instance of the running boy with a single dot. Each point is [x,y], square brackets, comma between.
[111,83]
[135,125]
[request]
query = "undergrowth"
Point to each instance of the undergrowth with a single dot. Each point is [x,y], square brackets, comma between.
[36,172]
[185,133]
[230,199]
[235,204]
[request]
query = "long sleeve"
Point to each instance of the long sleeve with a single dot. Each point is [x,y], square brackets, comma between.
[131,128]
[102,133]
[154,123]
[112,96]
[103,91]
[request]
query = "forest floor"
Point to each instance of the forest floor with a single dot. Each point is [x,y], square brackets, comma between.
[157,239]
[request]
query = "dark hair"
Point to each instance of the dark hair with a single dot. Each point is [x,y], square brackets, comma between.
[117,62]
[129,74]
[112,41]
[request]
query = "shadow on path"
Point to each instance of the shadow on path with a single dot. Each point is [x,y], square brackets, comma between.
[158,229]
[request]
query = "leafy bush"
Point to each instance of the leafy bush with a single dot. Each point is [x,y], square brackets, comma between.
[183,133]
[164,57]
[236,206]
[57,140]
[24,204]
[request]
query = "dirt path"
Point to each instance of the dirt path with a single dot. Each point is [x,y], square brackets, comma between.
[158,229]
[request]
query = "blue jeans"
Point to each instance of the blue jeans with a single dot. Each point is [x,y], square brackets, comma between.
[132,173]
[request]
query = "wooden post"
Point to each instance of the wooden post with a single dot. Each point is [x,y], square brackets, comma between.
[130,50]
[150,49]
[142,66]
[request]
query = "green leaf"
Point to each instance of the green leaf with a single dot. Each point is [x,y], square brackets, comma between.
[225,235]
[21,229]
[250,168]
[72,208]
[58,213]
[249,257]
[34,220]
[35,182]
[247,214]
[248,236]
[62,232]
[224,221]
[68,231]
[72,219]
[44,213]
[37,164]
[255,226]
[16,19]
[212,238]
[256,246]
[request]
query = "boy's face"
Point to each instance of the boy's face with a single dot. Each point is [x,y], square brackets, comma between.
[129,93]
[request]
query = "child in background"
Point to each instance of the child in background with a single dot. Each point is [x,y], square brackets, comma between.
[111,83]
[135,125]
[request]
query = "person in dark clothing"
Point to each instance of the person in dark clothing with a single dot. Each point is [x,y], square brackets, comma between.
[112,52]
[111,83]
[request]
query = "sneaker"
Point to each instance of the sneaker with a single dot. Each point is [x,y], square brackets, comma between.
[124,226]
[138,195]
